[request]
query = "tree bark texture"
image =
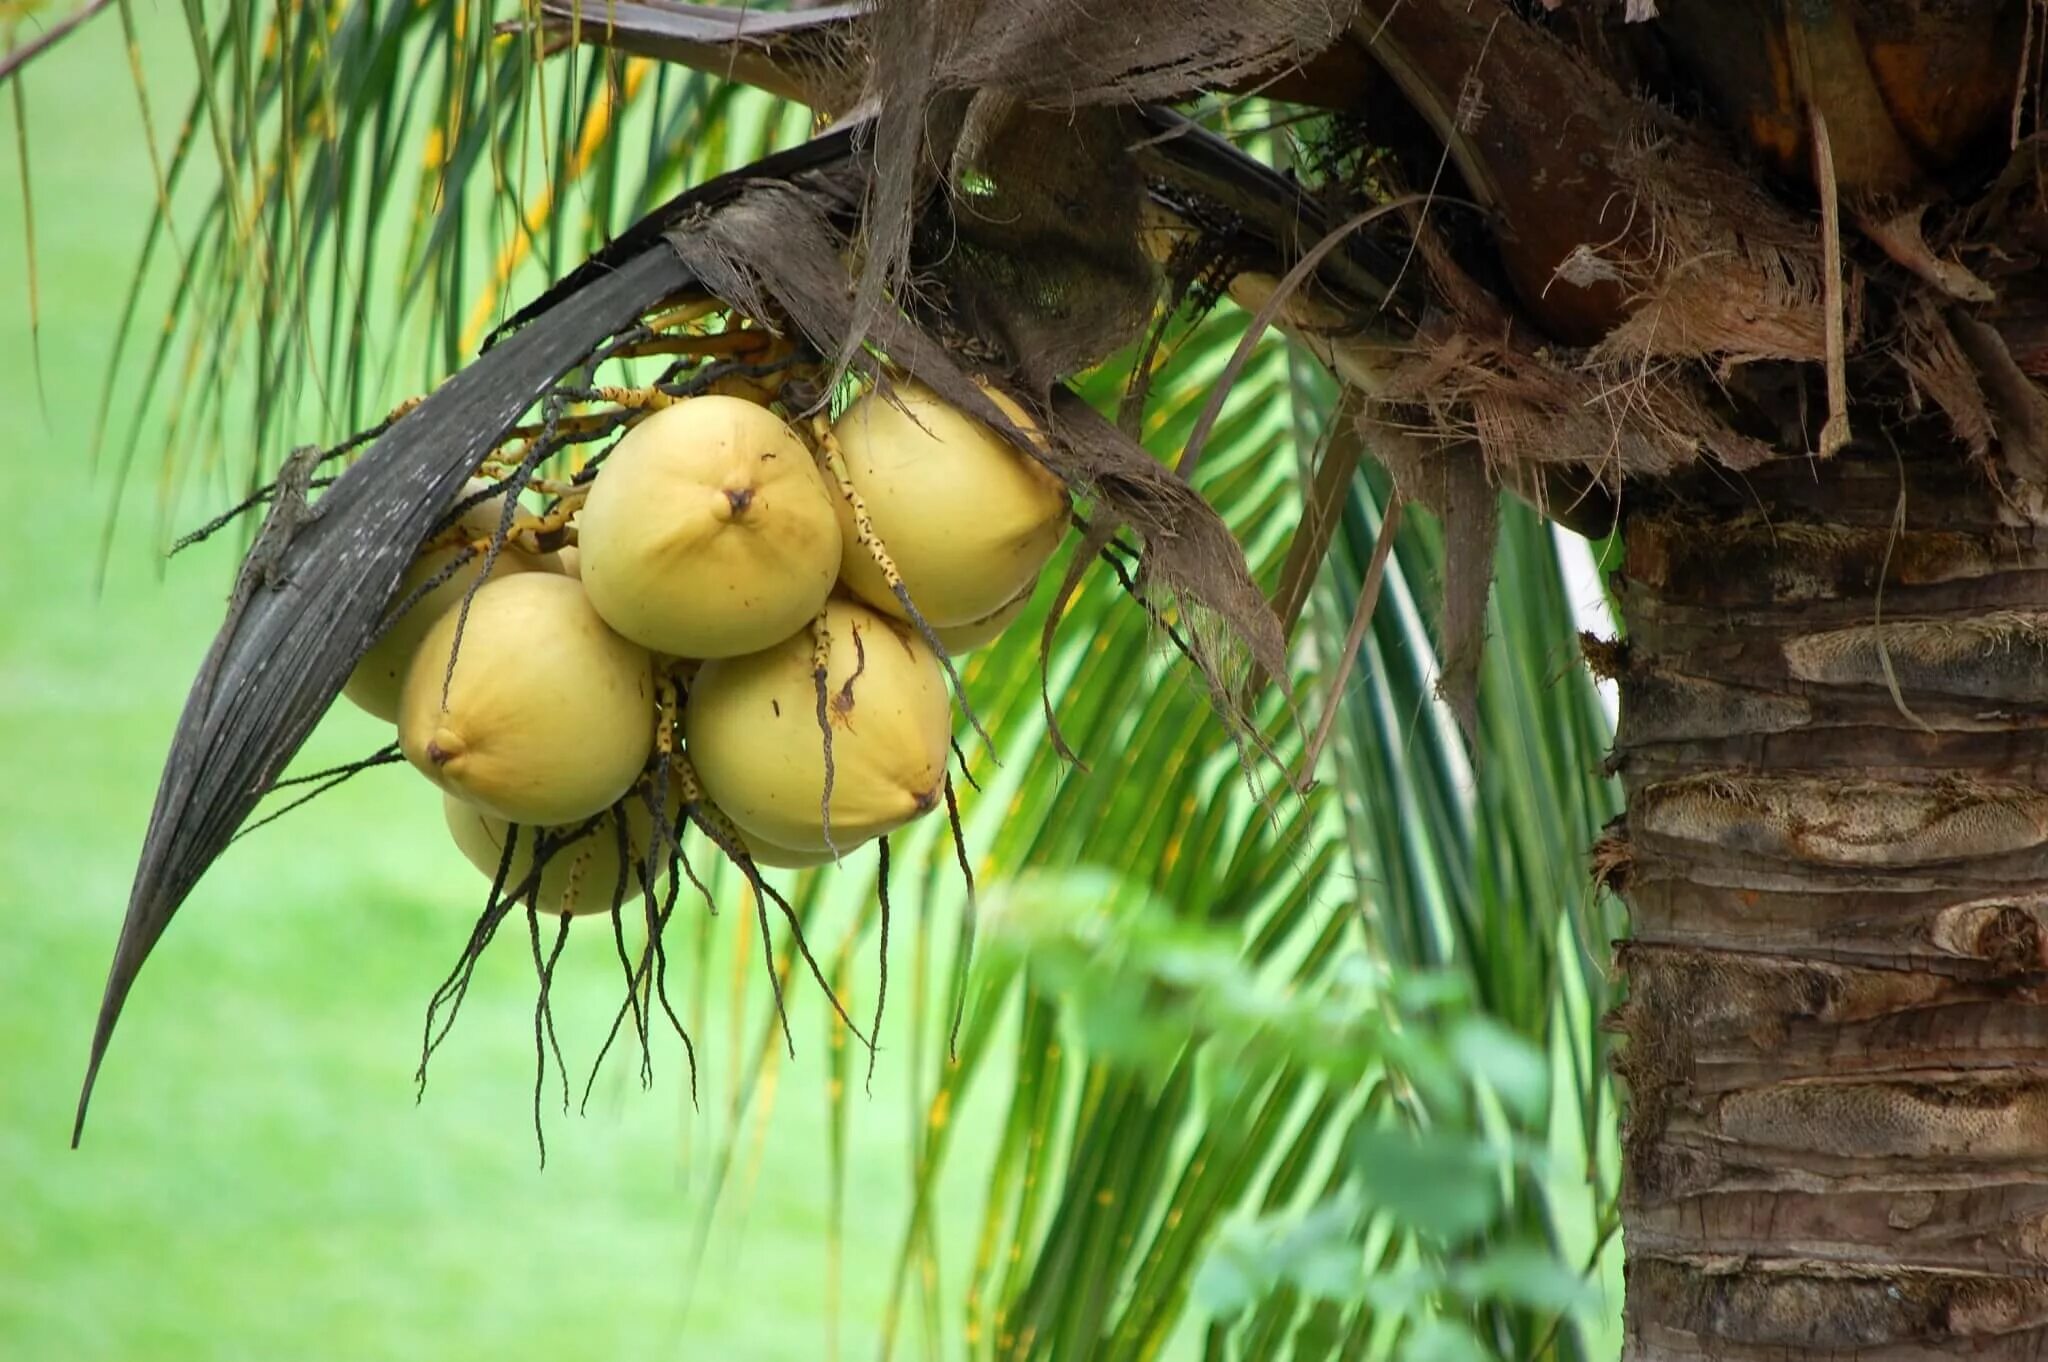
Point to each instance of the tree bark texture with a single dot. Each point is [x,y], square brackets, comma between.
[1835,852]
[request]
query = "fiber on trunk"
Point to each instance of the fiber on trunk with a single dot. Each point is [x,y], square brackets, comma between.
[1835,853]
[948,78]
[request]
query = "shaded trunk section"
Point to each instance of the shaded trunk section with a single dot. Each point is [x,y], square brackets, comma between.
[1836,857]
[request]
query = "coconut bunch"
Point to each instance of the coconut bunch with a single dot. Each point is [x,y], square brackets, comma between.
[732,610]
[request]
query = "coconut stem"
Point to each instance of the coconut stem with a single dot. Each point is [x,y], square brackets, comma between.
[633,974]
[656,933]
[640,996]
[450,994]
[328,779]
[833,461]
[654,793]
[726,837]
[582,423]
[554,487]
[686,315]
[882,958]
[965,774]
[736,342]
[967,922]
[544,1026]
[528,533]
[821,659]
[720,829]
[622,844]
[263,494]
[529,464]
[641,992]
[666,720]
[632,1003]
[635,399]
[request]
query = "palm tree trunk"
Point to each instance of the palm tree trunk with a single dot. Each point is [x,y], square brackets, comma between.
[1836,856]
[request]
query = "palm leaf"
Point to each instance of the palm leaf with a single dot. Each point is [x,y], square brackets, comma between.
[1446,898]
[383,181]
[1109,1185]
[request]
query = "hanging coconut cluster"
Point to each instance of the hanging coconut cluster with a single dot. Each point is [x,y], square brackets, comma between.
[736,610]
[729,598]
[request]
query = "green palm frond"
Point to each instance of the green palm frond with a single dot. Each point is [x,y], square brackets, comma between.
[358,192]
[1136,1146]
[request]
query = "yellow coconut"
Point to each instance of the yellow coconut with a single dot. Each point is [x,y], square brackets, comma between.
[581,876]
[965,638]
[967,518]
[709,532]
[570,560]
[380,673]
[549,714]
[752,731]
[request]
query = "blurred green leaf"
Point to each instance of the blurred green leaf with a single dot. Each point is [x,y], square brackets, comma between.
[1440,1340]
[1317,1253]
[1526,1274]
[1441,1185]
[1505,1062]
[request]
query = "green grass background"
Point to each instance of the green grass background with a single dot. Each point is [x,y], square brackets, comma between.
[257,1181]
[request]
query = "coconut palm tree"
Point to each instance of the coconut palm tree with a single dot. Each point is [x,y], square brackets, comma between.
[1754,287]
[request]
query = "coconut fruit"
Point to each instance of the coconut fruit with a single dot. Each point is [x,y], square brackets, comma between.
[582,876]
[965,638]
[708,532]
[380,673]
[752,732]
[549,715]
[967,518]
